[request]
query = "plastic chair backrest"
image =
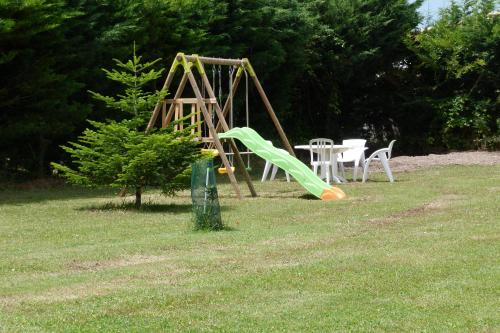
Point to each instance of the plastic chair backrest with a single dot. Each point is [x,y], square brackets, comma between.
[389,152]
[353,154]
[354,142]
[322,151]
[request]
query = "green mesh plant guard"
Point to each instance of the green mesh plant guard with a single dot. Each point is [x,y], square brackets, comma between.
[206,209]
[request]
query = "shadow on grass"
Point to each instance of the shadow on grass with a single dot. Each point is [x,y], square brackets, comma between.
[20,196]
[145,208]
[224,229]
[381,180]
[308,196]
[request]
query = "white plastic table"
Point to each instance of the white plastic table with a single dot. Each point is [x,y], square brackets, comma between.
[336,149]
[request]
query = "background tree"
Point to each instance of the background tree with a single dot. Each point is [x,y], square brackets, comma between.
[458,63]
[356,64]
[273,35]
[120,154]
[36,108]
[336,68]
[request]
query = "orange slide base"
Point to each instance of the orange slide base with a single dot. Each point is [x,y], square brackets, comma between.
[333,193]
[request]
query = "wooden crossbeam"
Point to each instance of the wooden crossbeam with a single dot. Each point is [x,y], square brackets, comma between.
[189,100]
[214,61]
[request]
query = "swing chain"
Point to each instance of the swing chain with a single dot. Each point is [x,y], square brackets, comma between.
[247,114]
[213,78]
[231,119]
[220,83]
[230,96]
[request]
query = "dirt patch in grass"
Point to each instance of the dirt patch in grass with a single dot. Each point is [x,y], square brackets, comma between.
[433,206]
[117,263]
[66,293]
[170,274]
[411,163]
[486,238]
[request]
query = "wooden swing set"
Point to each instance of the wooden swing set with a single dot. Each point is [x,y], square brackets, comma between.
[207,109]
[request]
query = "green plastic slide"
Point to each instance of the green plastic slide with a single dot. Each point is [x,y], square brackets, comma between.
[301,172]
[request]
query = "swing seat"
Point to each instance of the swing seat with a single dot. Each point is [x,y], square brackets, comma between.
[223,170]
[210,152]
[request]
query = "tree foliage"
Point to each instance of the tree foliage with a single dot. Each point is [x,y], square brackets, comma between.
[459,61]
[120,153]
[356,52]
[335,68]
[37,108]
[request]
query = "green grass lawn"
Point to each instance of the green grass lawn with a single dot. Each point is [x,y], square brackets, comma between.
[421,254]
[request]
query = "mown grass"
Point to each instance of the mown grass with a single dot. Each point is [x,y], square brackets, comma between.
[417,255]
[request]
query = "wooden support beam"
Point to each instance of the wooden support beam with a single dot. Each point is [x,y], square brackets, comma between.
[189,100]
[222,120]
[198,119]
[178,94]
[210,111]
[272,114]
[207,140]
[176,126]
[158,106]
[181,115]
[215,61]
[193,117]
[211,128]
[164,115]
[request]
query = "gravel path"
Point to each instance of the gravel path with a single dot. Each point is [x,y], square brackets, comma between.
[409,163]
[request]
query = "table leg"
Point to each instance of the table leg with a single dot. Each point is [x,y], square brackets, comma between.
[322,167]
[335,171]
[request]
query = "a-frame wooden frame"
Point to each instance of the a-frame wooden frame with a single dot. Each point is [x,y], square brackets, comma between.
[188,62]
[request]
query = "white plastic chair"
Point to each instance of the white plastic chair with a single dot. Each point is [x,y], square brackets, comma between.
[383,155]
[356,155]
[321,156]
[268,166]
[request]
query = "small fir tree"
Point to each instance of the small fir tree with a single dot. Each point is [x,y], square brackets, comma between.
[120,153]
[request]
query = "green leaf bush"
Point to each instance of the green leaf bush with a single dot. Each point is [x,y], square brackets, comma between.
[120,153]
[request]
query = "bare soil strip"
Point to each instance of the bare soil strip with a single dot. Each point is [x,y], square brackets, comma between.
[411,163]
